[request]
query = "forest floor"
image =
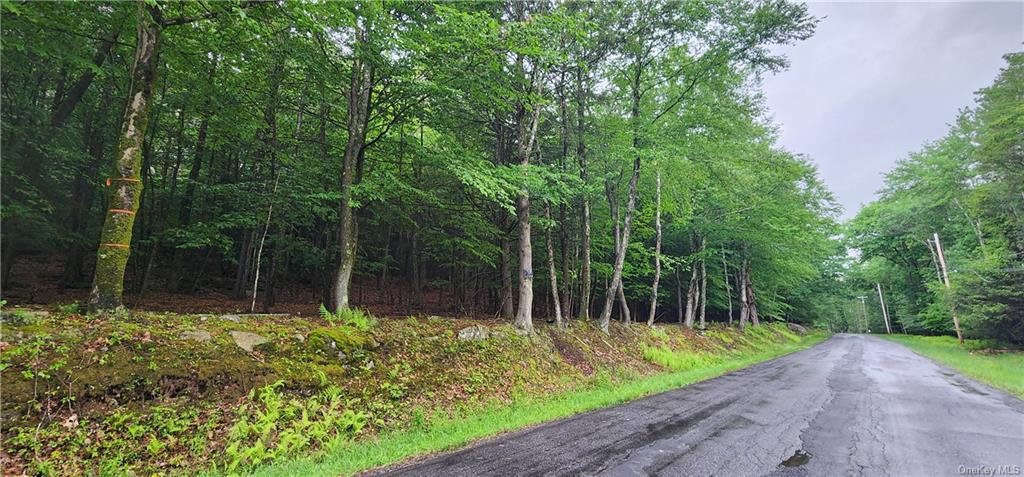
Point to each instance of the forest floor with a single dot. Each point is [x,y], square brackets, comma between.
[167,394]
[36,280]
[998,367]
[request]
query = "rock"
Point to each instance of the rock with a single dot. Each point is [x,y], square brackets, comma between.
[247,341]
[330,341]
[235,318]
[201,336]
[795,328]
[474,333]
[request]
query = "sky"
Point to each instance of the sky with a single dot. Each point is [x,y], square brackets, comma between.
[878,80]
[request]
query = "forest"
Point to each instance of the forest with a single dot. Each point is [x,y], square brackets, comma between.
[959,200]
[328,236]
[566,161]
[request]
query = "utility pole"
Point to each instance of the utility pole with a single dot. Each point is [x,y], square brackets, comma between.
[864,316]
[945,278]
[885,311]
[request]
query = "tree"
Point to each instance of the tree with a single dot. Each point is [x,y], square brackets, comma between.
[126,185]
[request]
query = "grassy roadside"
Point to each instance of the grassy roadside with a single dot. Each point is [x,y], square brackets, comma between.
[149,393]
[997,368]
[442,433]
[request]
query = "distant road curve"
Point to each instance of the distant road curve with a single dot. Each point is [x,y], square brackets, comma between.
[853,405]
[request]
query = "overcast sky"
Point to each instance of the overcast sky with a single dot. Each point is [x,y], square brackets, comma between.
[877,80]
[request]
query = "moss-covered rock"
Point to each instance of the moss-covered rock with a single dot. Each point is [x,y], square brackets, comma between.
[339,341]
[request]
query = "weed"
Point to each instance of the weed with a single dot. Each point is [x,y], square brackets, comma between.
[354,317]
[680,360]
[72,308]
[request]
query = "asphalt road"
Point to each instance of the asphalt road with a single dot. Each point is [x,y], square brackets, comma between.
[853,405]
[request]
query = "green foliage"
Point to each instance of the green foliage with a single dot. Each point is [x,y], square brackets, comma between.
[963,188]
[446,431]
[680,360]
[271,426]
[255,122]
[69,308]
[354,317]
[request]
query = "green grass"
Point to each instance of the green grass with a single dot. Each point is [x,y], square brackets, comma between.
[1001,370]
[682,360]
[442,433]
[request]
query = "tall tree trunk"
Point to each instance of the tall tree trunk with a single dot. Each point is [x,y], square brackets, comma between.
[505,294]
[524,313]
[360,86]
[525,135]
[551,270]
[679,296]
[945,279]
[657,247]
[627,318]
[742,282]
[613,205]
[563,223]
[703,292]
[751,299]
[259,250]
[691,297]
[116,236]
[885,311]
[620,252]
[506,303]
[581,153]
[728,288]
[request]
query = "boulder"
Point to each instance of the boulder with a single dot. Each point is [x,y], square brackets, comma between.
[795,328]
[201,336]
[248,341]
[474,333]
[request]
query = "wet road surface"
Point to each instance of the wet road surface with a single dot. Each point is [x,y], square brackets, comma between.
[853,405]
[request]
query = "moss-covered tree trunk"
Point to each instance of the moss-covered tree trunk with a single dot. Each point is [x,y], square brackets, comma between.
[126,185]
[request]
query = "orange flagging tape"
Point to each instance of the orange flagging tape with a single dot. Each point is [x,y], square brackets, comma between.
[121,211]
[129,179]
[118,245]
